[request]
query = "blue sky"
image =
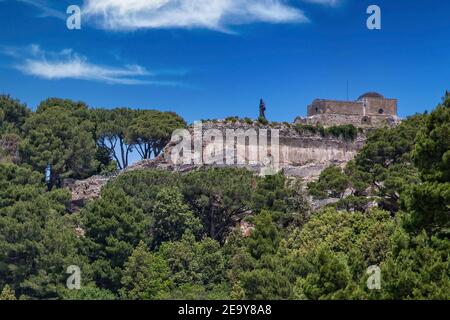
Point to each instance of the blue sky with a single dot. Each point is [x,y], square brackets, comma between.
[217,58]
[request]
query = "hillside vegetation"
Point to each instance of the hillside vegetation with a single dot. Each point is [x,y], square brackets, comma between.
[156,234]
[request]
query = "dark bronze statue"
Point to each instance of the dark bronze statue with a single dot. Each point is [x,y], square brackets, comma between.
[262,109]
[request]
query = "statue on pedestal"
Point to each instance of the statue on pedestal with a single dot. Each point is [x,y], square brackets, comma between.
[262,109]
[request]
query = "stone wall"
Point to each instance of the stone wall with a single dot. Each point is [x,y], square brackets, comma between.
[335,107]
[370,110]
[368,121]
[375,105]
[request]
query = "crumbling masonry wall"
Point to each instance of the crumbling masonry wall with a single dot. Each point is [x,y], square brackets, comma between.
[370,110]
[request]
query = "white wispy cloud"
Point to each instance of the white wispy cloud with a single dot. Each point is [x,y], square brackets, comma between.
[67,64]
[46,9]
[217,15]
[209,14]
[325,2]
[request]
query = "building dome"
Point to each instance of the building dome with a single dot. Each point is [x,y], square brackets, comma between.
[371,95]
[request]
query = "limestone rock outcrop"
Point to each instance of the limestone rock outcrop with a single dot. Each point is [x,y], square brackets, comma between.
[302,154]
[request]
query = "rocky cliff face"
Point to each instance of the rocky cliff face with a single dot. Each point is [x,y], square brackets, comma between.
[84,190]
[300,154]
[9,148]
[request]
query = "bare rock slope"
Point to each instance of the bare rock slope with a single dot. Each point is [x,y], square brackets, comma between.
[302,153]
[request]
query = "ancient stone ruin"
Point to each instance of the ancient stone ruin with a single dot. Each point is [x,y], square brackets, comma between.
[302,153]
[369,110]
